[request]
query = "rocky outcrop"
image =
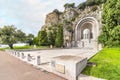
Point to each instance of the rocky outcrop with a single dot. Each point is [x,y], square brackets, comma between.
[69,18]
[52,19]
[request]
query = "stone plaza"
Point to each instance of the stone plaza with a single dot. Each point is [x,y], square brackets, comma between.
[67,63]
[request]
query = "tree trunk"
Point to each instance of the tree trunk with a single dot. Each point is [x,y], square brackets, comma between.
[11,46]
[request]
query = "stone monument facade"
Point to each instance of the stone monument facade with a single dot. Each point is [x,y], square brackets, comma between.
[81,28]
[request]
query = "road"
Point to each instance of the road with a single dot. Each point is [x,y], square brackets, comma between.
[12,68]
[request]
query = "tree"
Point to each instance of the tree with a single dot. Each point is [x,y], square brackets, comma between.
[59,36]
[116,36]
[36,41]
[82,5]
[29,39]
[52,35]
[43,39]
[20,36]
[57,11]
[69,5]
[90,3]
[10,35]
[51,38]
[111,23]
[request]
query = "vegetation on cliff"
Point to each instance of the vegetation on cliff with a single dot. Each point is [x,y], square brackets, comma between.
[90,3]
[68,5]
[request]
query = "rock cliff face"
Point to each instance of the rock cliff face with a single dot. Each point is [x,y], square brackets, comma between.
[69,18]
[52,19]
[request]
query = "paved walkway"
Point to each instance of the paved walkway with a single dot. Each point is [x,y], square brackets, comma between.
[47,55]
[12,68]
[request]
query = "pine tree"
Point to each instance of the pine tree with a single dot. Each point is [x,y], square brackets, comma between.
[59,36]
[43,39]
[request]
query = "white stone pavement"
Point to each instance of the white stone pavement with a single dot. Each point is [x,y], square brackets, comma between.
[47,55]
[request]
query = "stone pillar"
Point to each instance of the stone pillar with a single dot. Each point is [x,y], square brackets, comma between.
[18,54]
[38,60]
[22,55]
[15,53]
[96,46]
[100,47]
[51,46]
[34,46]
[28,57]
[12,52]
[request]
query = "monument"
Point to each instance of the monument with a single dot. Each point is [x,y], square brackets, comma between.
[81,27]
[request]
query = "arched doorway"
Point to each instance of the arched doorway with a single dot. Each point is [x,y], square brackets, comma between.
[86,32]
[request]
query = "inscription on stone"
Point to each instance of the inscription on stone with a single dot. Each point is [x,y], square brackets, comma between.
[60,68]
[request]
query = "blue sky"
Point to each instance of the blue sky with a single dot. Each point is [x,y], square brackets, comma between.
[29,15]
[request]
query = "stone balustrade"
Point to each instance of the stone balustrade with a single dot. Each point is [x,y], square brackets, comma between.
[25,57]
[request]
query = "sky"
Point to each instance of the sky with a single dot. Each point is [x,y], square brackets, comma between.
[29,15]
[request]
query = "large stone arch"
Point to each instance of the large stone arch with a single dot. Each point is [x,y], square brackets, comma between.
[92,25]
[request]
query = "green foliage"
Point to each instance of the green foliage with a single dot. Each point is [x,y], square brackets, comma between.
[108,64]
[115,40]
[82,5]
[20,36]
[67,22]
[70,29]
[46,38]
[59,36]
[51,34]
[30,47]
[1,49]
[111,23]
[50,28]
[90,3]
[94,8]
[57,11]
[25,47]
[10,35]
[76,15]
[29,39]
[36,41]
[43,39]
[69,5]
[51,38]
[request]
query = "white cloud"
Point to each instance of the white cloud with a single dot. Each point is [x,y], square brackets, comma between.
[28,15]
[1,21]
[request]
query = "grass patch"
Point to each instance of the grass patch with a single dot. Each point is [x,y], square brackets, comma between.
[23,47]
[26,47]
[108,64]
[1,49]
[31,47]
